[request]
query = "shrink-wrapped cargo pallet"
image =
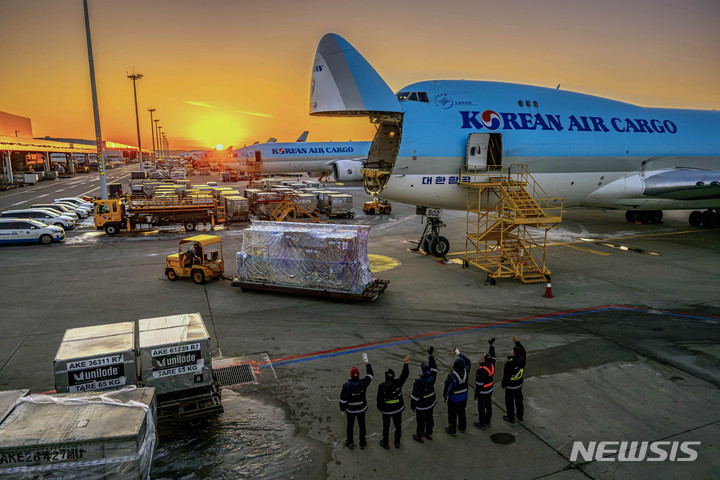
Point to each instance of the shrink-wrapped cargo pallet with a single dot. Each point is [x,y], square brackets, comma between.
[174,353]
[99,357]
[90,436]
[304,255]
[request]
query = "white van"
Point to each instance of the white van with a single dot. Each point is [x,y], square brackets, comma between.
[15,230]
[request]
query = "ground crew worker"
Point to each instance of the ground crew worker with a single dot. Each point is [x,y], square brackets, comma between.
[354,403]
[455,393]
[422,399]
[484,387]
[390,402]
[512,382]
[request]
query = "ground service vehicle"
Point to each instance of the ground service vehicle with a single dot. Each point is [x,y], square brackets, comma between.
[81,168]
[131,213]
[16,230]
[377,206]
[199,257]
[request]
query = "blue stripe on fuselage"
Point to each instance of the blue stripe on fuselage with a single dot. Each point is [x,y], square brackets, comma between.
[563,124]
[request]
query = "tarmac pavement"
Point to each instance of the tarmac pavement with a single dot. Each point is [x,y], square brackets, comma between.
[627,350]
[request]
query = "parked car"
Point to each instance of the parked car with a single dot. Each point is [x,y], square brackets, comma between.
[82,211]
[14,230]
[48,217]
[59,208]
[76,200]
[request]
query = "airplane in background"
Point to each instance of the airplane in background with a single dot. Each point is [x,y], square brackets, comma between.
[589,151]
[342,160]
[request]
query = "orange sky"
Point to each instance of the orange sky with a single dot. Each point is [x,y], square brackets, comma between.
[238,71]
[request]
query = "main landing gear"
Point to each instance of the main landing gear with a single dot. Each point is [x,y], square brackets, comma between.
[431,241]
[709,218]
[644,216]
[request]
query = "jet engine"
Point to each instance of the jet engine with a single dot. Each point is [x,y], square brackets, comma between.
[347,170]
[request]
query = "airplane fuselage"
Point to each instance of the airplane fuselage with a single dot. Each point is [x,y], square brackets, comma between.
[588,150]
[304,157]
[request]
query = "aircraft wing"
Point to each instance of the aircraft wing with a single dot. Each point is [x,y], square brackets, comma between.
[684,184]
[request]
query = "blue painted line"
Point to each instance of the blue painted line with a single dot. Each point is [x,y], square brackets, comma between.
[488,327]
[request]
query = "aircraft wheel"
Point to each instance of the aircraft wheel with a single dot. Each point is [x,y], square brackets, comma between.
[198,277]
[695,218]
[644,216]
[439,247]
[656,216]
[631,216]
[709,218]
[171,275]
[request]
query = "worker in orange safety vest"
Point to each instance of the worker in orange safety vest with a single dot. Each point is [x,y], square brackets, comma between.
[484,387]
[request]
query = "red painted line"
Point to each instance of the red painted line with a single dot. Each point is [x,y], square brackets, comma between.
[471,327]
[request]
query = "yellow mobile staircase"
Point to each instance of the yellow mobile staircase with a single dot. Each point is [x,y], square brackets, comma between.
[502,204]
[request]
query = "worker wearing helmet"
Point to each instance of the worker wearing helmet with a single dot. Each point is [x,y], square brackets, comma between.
[354,403]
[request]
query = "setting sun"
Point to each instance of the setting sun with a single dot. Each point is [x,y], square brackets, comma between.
[219,146]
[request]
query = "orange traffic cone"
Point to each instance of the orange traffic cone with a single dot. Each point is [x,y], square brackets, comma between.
[548,289]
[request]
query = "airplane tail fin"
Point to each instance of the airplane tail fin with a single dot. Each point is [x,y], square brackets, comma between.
[345,84]
[303,136]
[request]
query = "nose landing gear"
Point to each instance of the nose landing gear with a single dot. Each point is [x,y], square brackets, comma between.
[431,241]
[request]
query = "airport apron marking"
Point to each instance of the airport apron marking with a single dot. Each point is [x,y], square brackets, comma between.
[381,263]
[305,357]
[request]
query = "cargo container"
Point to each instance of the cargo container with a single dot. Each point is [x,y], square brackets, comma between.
[174,353]
[307,201]
[323,197]
[174,357]
[100,357]
[340,205]
[237,209]
[80,436]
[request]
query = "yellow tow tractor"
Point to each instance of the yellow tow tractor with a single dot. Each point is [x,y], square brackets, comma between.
[377,206]
[199,257]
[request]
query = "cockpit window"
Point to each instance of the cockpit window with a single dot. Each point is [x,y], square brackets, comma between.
[413,97]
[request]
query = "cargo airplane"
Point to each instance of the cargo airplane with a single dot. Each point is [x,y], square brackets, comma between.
[589,151]
[343,160]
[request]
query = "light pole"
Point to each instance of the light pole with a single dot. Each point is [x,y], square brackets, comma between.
[162,150]
[152,131]
[96,111]
[137,76]
[157,134]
